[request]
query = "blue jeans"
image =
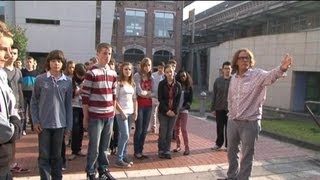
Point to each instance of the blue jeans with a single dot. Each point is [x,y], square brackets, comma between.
[165,133]
[50,161]
[99,132]
[142,124]
[124,132]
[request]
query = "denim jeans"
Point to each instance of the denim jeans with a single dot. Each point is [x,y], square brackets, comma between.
[77,130]
[124,132]
[165,133]
[7,176]
[50,161]
[142,124]
[99,132]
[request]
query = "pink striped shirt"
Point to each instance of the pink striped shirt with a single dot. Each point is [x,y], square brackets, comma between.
[248,93]
[99,90]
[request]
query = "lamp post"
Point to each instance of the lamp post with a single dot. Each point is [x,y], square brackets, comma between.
[116,19]
[170,32]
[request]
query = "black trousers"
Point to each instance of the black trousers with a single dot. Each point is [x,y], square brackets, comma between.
[222,121]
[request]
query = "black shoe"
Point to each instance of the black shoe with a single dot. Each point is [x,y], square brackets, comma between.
[91,176]
[105,175]
[161,155]
[167,156]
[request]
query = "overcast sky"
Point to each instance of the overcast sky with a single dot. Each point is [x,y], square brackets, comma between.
[199,6]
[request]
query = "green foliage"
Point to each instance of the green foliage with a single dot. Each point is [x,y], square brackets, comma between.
[196,103]
[304,130]
[20,40]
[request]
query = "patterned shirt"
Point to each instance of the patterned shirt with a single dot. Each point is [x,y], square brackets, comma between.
[99,91]
[248,93]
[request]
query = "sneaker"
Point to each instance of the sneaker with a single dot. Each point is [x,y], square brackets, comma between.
[216,148]
[128,160]
[122,164]
[105,175]
[91,176]
[64,167]
[24,133]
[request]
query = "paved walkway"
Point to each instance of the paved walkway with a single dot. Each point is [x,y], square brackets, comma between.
[273,159]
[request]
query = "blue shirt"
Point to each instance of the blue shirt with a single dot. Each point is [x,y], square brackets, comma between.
[51,102]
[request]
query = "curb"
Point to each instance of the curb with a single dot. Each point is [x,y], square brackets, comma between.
[282,138]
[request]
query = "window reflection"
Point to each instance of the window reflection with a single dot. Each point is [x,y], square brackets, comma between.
[163,23]
[135,23]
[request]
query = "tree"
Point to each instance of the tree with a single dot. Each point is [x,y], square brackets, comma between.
[20,40]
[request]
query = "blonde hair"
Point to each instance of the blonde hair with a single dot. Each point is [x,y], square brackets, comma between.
[5,32]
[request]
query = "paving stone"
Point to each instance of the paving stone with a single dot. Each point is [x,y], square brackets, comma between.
[204,168]
[143,173]
[167,171]
[285,176]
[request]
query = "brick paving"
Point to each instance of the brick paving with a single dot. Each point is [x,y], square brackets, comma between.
[201,139]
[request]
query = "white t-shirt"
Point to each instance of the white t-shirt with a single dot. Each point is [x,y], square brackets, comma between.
[125,95]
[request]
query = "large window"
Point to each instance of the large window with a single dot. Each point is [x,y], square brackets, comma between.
[163,24]
[2,18]
[135,23]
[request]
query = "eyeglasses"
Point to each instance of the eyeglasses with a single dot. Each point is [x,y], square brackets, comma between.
[244,58]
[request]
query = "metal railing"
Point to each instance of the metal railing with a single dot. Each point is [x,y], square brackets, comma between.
[310,111]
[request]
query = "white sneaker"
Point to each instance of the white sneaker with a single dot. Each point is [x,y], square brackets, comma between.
[216,148]
[24,133]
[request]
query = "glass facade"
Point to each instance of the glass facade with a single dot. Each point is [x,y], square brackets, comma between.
[163,24]
[135,23]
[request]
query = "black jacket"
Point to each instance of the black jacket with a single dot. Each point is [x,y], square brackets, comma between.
[163,97]
[187,99]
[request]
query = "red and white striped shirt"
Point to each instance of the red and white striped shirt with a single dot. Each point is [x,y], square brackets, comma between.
[99,90]
[248,93]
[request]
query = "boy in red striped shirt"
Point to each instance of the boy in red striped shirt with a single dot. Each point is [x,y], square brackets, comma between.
[98,99]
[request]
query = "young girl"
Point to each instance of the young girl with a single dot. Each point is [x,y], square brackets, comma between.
[144,85]
[185,102]
[169,93]
[126,112]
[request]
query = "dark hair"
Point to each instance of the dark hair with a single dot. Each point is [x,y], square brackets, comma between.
[55,54]
[172,61]
[14,46]
[161,64]
[226,63]
[79,69]
[188,82]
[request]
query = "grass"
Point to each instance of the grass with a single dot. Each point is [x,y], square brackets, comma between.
[303,130]
[196,104]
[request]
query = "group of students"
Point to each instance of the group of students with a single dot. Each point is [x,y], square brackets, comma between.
[57,100]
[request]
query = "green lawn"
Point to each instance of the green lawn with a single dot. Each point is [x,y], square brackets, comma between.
[305,130]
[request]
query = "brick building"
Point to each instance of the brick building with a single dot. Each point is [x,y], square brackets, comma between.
[147,29]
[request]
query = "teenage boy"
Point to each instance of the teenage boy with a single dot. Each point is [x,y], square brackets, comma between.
[10,126]
[98,104]
[28,79]
[51,111]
